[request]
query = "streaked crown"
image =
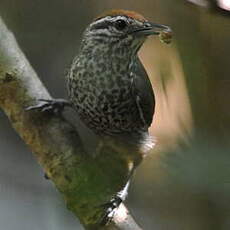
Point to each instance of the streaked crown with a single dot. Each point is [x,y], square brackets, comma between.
[120,12]
[116,24]
[123,28]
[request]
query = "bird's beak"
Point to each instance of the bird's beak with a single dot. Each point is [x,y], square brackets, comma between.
[150,28]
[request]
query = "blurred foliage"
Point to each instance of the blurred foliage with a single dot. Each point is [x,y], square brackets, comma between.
[185,182]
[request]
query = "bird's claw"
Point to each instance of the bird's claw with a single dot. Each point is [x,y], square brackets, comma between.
[110,209]
[50,105]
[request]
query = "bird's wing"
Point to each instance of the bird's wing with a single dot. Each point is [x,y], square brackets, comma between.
[143,93]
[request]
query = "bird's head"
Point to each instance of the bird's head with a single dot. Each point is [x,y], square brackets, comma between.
[124,28]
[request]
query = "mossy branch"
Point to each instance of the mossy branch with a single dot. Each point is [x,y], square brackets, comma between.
[86,182]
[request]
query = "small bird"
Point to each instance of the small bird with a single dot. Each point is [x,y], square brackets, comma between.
[107,83]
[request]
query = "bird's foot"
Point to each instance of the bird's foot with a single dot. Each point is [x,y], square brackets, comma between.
[112,206]
[110,209]
[50,105]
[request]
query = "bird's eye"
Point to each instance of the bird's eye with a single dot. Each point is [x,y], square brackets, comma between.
[120,24]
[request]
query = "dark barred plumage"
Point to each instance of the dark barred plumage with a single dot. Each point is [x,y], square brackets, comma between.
[107,83]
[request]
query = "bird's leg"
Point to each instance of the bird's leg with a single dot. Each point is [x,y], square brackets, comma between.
[50,105]
[112,206]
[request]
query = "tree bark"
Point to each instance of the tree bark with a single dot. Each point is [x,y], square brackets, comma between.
[85,181]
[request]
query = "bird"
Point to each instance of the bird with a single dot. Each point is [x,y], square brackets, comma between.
[107,84]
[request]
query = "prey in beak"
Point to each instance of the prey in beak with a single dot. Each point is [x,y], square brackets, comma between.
[164,32]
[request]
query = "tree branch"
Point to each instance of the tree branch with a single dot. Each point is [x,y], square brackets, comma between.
[86,182]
